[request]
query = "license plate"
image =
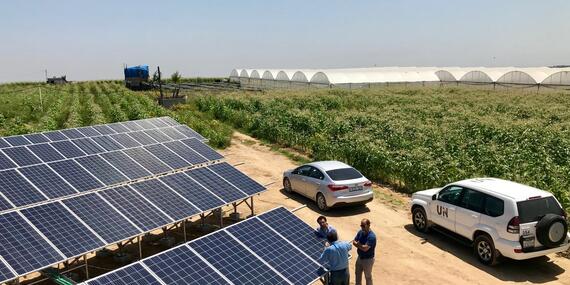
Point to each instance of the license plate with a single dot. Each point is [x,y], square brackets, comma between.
[355,188]
[527,242]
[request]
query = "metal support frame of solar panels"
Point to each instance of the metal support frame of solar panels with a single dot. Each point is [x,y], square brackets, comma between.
[253,251]
[49,223]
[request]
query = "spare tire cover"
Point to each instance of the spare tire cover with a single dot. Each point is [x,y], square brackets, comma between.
[551,230]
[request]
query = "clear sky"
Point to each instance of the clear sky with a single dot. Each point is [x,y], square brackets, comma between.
[88,40]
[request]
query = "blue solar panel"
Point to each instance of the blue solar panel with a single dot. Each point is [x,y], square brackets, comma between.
[107,143]
[72,133]
[188,132]
[125,164]
[3,143]
[147,160]
[21,156]
[104,130]
[173,133]
[169,121]
[157,135]
[55,136]
[216,184]
[237,178]
[182,266]
[185,152]
[125,140]
[5,273]
[5,162]
[22,247]
[47,181]
[202,149]
[75,175]
[101,217]
[37,138]
[132,126]
[65,231]
[294,230]
[192,191]
[167,156]
[46,152]
[134,207]
[165,199]
[276,251]
[145,124]
[134,274]
[17,140]
[89,131]
[157,122]
[101,169]
[118,127]
[142,138]
[234,260]
[17,189]
[88,146]
[68,149]
[4,204]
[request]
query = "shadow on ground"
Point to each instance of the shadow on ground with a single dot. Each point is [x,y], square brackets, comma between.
[349,210]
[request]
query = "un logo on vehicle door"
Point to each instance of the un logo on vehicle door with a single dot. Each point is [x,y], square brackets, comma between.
[442,211]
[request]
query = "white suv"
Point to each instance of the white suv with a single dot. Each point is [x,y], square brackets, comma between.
[499,217]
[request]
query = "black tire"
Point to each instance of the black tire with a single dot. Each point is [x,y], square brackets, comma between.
[484,249]
[419,218]
[321,202]
[551,230]
[287,185]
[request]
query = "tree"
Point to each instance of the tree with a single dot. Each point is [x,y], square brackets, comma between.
[175,77]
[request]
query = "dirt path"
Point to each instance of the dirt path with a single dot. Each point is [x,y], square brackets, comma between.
[403,256]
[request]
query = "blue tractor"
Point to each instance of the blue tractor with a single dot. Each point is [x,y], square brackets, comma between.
[136,77]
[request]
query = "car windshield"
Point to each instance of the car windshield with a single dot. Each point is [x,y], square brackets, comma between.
[534,210]
[344,174]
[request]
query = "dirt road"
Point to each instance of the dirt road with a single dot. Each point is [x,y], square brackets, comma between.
[403,256]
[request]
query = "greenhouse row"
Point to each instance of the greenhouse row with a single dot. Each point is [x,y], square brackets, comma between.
[363,77]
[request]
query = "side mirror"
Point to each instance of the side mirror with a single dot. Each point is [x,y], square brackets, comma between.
[434,197]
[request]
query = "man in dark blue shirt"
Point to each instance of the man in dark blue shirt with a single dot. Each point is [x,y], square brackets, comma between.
[365,242]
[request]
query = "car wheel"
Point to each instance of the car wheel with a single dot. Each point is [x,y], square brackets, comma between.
[287,185]
[485,250]
[419,219]
[322,202]
[551,230]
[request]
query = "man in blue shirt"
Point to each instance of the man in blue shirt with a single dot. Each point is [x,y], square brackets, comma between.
[335,259]
[324,228]
[365,242]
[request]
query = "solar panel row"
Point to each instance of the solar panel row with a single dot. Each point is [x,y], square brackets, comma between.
[250,252]
[48,233]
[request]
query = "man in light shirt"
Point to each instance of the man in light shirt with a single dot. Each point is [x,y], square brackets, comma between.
[335,259]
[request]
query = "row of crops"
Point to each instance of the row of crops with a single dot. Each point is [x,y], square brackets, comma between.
[415,138]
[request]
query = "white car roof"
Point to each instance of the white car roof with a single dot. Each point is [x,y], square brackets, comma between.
[516,191]
[329,165]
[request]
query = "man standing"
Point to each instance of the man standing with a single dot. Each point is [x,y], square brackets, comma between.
[324,228]
[335,259]
[365,242]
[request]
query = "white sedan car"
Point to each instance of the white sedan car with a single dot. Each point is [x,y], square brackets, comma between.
[329,184]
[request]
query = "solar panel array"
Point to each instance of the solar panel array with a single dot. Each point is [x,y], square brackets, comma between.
[62,198]
[254,251]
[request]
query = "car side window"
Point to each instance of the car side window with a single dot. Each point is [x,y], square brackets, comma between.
[317,174]
[494,207]
[473,200]
[303,170]
[450,195]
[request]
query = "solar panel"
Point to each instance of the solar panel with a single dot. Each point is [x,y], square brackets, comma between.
[173,134]
[107,143]
[89,131]
[192,191]
[294,230]
[134,207]
[5,162]
[101,217]
[17,234]
[3,143]
[167,156]
[182,266]
[125,140]
[132,126]
[37,138]
[72,133]
[202,149]
[235,261]
[157,135]
[237,178]
[185,152]
[65,231]
[131,275]
[46,152]
[142,138]
[165,199]
[68,149]
[147,160]
[75,175]
[104,171]
[157,122]
[280,254]
[55,136]
[47,181]
[21,156]
[17,140]
[88,146]
[118,128]
[169,121]
[104,130]
[5,272]
[125,164]
[17,189]
[188,132]
[4,204]
[145,124]
[216,184]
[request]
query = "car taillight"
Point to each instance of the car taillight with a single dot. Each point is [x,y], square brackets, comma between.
[514,225]
[367,184]
[333,187]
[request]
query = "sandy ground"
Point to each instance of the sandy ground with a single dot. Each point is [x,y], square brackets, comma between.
[403,256]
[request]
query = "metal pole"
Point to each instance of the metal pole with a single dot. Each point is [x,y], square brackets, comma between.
[252,206]
[140,247]
[221,218]
[86,267]
[184,229]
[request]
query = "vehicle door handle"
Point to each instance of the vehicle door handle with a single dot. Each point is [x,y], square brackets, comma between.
[303,179]
[475,216]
